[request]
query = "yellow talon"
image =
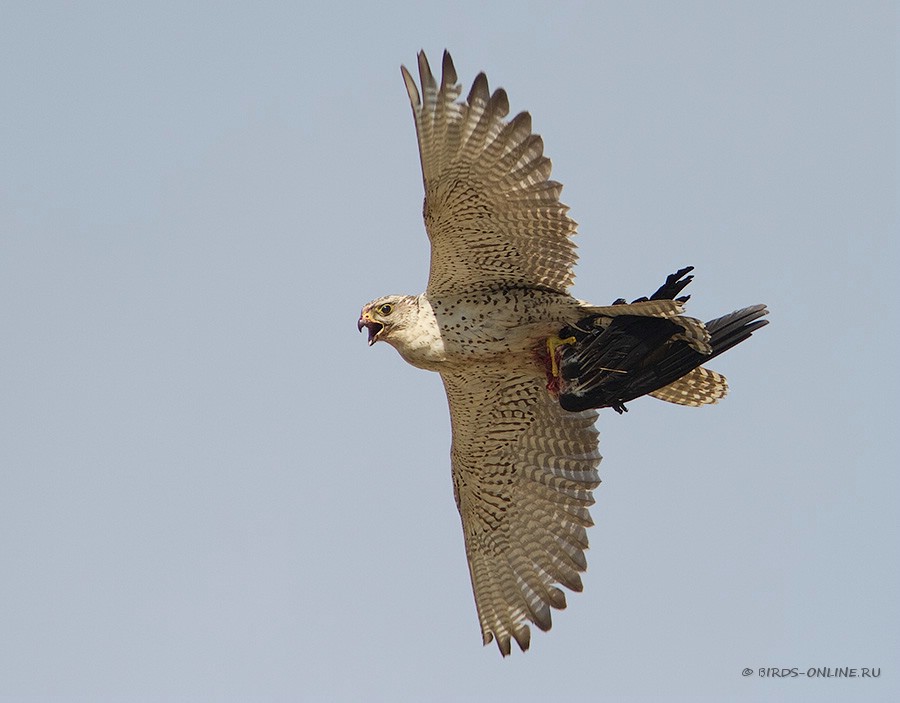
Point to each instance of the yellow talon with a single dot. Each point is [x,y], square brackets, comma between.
[553,343]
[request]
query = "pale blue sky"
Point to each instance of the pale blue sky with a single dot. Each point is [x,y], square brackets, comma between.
[212,489]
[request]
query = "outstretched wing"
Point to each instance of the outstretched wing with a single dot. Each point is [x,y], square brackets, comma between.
[523,472]
[491,212]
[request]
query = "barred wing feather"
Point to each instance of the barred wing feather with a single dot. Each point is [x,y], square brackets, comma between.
[492,215]
[523,472]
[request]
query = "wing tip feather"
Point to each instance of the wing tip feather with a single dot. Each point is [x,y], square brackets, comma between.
[425,75]
[448,71]
[479,91]
[411,88]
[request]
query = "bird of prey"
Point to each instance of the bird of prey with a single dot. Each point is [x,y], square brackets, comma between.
[524,364]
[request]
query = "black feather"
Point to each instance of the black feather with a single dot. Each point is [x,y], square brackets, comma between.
[617,359]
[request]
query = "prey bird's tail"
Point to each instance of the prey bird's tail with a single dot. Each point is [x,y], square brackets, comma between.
[616,359]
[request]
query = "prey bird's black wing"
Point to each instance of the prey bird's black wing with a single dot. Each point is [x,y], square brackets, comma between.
[615,360]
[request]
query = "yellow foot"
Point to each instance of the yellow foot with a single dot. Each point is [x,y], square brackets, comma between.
[554,343]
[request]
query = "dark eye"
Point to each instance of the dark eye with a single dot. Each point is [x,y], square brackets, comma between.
[386,309]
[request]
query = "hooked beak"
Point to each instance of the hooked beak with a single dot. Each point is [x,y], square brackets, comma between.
[374,328]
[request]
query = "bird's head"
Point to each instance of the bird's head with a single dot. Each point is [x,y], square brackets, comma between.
[386,318]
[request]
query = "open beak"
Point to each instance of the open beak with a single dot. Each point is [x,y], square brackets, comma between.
[374,328]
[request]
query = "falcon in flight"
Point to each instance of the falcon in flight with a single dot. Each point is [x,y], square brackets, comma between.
[525,365]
